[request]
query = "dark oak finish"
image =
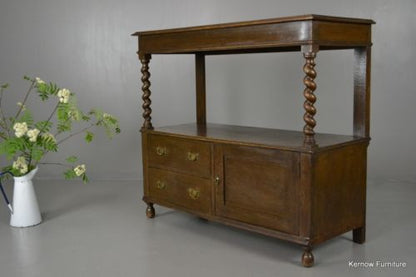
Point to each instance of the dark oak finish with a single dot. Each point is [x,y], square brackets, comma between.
[180,155]
[145,59]
[261,35]
[309,53]
[180,189]
[150,210]
[307,257]
[255,136]
[299,186]
[338,196]
[362,74]
[250,181]
[201,114]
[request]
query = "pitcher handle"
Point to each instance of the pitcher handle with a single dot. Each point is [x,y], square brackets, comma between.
[4,193]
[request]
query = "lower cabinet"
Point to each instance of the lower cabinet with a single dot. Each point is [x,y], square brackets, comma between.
[252,185]
[305,197]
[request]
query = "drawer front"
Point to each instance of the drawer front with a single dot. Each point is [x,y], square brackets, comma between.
[181,155]
[180,190]
[258,186]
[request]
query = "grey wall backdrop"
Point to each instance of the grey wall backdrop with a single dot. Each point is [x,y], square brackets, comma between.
[86,46]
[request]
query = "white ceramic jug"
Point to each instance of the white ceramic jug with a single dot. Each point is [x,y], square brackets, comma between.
[25,204]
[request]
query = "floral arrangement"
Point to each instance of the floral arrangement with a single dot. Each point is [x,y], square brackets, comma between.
[26,141]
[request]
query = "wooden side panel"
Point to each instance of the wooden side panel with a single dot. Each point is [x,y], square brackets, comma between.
[362,74]
[305,195]
[339,191]
[334,33]
[145,163]
[259,187]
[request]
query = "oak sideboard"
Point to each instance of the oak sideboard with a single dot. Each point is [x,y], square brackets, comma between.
[299,186]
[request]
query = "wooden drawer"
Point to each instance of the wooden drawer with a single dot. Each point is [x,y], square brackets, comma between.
[181,155]
[181,190]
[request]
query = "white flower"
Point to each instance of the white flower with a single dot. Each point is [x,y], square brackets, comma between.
[106,115]
[21,165]
[63,95]
[39,81]
[80,169]
[20,104]
[33,134]
[20,129]
[49,136]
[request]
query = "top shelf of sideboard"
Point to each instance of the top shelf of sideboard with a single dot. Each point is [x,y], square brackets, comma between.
[269,35]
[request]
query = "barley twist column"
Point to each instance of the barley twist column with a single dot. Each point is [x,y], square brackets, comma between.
[310,87]
[145,59]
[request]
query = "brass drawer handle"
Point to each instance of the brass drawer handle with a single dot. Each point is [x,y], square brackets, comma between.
[193,156]
[194,193]
[217,180]
[161,151]
[160,185]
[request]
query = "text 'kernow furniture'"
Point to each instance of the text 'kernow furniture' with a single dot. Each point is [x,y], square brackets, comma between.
[298,186]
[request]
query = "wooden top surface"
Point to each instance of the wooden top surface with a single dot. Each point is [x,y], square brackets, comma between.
[254,136]
[260,22]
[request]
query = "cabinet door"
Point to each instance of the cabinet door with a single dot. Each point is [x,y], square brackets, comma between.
[258,186]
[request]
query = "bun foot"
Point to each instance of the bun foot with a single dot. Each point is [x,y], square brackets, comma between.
[307,257]
[150,211]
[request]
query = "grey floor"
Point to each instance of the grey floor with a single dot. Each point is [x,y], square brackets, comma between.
[99,229]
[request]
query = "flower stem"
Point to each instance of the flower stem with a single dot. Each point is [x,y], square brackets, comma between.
[3,117]
[25,99]
[60,164]
[49,119]
[76,133]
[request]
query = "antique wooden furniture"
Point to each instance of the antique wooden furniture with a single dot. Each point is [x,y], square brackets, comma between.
[294,185]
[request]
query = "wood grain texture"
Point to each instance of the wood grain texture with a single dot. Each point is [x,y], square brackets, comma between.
[309,53]
[201,113]
[176,188]
[252,181]
[262,35]
[255,136]
[300,186]
[147,111]
[315,17]
[362,75]
[305,196]
[339,191]
[176,157]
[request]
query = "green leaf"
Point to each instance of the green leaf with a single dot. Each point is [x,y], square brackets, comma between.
[70,174]
[44,126]
[48,143]
[85,117]
[98,114]
[12,146]
[89,137]
[72,159]
[64,127]
[63,112]
[37,153]
[26,117]
[85,178]
[5,85]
